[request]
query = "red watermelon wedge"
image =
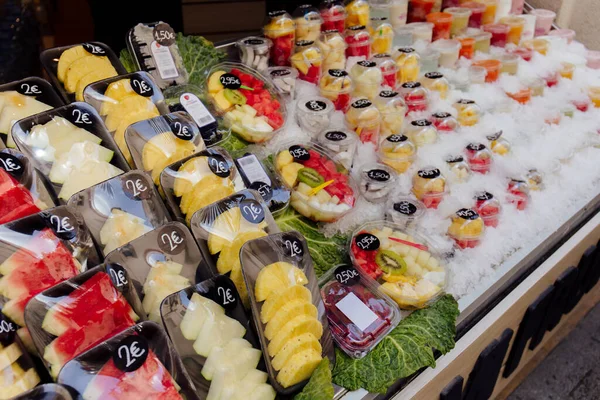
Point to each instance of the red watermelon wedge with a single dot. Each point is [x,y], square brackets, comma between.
[15,200]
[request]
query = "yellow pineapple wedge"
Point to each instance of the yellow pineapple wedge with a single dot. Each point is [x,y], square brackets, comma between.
[278,299]
[83,66]
[115,92]
[224,229]
[94,76]
[67,58]
[295,327]
[287,312]
[191,172]
[230,253]
[205,196]
[126,107]
[295,346]
[277,276]
[299,367]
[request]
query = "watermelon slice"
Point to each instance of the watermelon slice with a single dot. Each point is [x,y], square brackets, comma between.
[24,210]
[7,182]
[15,200]
[15,309]
[151,381]
[84,305]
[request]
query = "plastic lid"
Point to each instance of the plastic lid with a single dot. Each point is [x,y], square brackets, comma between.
[389,101]
[308,13]
[385,62]
[333,38]
[363,112]
[282,72]
[336,80]
[366,72]
[413,91]
[406,207]
[333,138]
[314,105]
[486,204]
[378,173]
[466,224]
[397,146]
[255,42]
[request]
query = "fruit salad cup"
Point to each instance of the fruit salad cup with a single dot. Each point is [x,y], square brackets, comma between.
[382,35]
[405,212]
[543,20]
[422,132]
[483,42]
[254,52]
[408,268]
[444,122]
[357,12]
[398,13]
[415,96]
[489,15]
[336,85]
[418,10]
[459,168]
[284,79]
[429,186]
[313,114]
[538,44]
[522,96]
[281,31]
[359,315]
[307,59]
[398,152]
[515,25]
[535,179]
[567,34]
[467,228]
[493,69]
[319,191]
[468,112]
[407,60]
[366,78]
[523,52]
[435,82]
[467,47]
[358,41]
[594,95]
[449,50]
[518,193]
[340,142]
[389,69]
[333,48]
[376,182]
[477,11]
[498,144]
[333,14]
[566,70]
[393,110]
[479,157]
[499,34]
[421,32]
[249,104]
[510,63]
[442,22]
[488,207]
[460,19]
[364,119]
[429,60]
[308,22]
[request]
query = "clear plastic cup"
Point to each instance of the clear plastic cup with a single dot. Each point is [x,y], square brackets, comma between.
[449,50]
[460,19]
[281,31]
[429,186]
[421,31]
[393,109]
[537,86]
[379,8]
[566,70]
[313,114]
[336,85]
[429,60]
[388,68]
[403,36]
[503,8]
[499,34]
[418,10]
[340,142]
[518,193]
[477,11]
[333,14]
[510,64]
[398,152]
[498,144]
[444,122]
[308,60]
[483,42]
[459,167]
[593,59]
[516,25]
[407,60]
[442,24]
[406,212]
[357,12]
[333,48]
[422,132]
[594,94]
[308,22]
[382,35]
[523,52]
[529,29]
[538,44]
[436,82]
[364,119]
[568,34]
[284,79]
[254,52]
[489,15]
[467,47]
[415,96]
[467,228]
[358,40]
[479,157]
[543,20]
[398,13]
[468,112]
[376,182]
[366,78]
[523,96]
[477,74]
[517,7]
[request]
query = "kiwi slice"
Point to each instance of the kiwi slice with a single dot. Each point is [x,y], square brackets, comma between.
[234,97]
[310,176]
[391,263]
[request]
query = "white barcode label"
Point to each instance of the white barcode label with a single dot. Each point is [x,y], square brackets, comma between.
[253,170]
[196,109]
[356,311]
[164,61]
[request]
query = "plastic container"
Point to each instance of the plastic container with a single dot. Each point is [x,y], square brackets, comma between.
[415,96]
[543,20]
[523,96]
[398,152]
[467,47]
[489,15]
[436,82]
[488,207]
[442,23]
[333,49]
[152,358]
[154,50]
[281,30]
[422,132]
[407,60]
[516,25]
[460,19]
[80,313]
[449,50]
[379,8]
[336,86]
[319,191]
[357,12]
[552,78]
[517,7]
[408,268]
[479,157]
[71,147]
[398,13]
[389,69]
[405,212]
[376,182]
[468,112]
[359,315]
[358,41]
[566,70]
[308,22]
[208,303]
[593,59]
[246,121]
[518,193]
[444,122]
[477,75]
[284,79]
[418,10]
[594,95]
[70,83]
[523,52]
[492,67]
[477,11]
[535,180]
[540,45]
[498,144]
[467,228]
[510,64]
[23,190]
[403,35]
[254,52]
[157,142]
[341,143]
[499,34]
[483,42]
[382,35]
[314,113]
[529,29]
[120,209]
[459,168]
[42,250]
[282,262]
[47,391]
[429,186]
[364,119]
[28,96]
[367,79]
[421,32]
[393,110]
[333,14]
[307,59]
[429,61]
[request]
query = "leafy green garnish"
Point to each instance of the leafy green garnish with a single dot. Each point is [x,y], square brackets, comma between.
[405,350]
[127,60]
[326,252]
[319,386]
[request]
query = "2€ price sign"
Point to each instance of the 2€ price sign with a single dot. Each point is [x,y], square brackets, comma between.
[131,353]
[224,293]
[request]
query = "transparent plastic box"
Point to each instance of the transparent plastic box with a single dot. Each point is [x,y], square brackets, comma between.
[405,212]
[366,78]
[254,52]
[120,209]
[467,228]
[308,22]
[308,60]
[393,110]
[376,182]
[398,152]
[47,391]
[284,80]
[488,207]
[275,268]
[281,30]
[71,147]
[314,113]
[336,85]
[364,119]
[340,142]
[429,186]
[479,157]
[460,169]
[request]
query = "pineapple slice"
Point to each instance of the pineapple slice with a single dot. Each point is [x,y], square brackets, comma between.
[83,66]
[277,276]
[190,173]
[67,58]
[295,327]
[224,229]
[230,253]
[204,197]
[299,367]
[277,300]
[126,107]
[295,346]
[94,76]
[115,92]
[190,201]
[287,312]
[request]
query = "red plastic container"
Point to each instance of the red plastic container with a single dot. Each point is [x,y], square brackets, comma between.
[442,22]
[418,10]
[477,10]
[499,34]
[488,207]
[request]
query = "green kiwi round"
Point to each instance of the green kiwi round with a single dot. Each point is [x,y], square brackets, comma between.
[390,262]
[310,176]
[234,97]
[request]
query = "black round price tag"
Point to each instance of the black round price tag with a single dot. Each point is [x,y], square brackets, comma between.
[411,85]
[131,353]
[119,277]
[224,292]
[361,103]
[181,129]
[81,118]
[7,330]
[61,221]
[465,101]
[398,138]
[434,75]
[230,81]
[406,50]
[347,275]
[330,31]
[338,73]
[386,94]
[494,136]
[292,246]
[30,89]
[421,122]
[299,153]
[429,173]
[12,165]
[475,146]
[367,64]
[335,136]
[277,13]
[405,207]
[280,72]
[381,55]
[441,115]
[171,240]
[94,49]
[379,175]
[163,34]
[467,213]
[367,241]
[252,211]
[315,105]
[483,196]
[304,43]
[141,87]
[357,28]
[454,159]
[136,186]
[219,166]
[265,190]
[254,42]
